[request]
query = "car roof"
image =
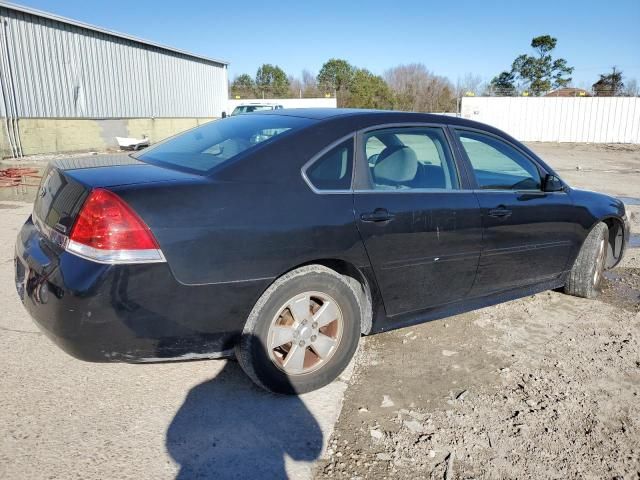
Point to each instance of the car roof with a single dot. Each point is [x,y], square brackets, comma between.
[372,116]
[351,119]
[337,123]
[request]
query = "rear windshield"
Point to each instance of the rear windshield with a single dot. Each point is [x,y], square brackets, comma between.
[209,146]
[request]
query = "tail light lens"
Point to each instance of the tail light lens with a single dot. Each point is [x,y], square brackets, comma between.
[107,230]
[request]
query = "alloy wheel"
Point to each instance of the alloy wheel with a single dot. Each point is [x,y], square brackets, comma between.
[599,263]
[305,333]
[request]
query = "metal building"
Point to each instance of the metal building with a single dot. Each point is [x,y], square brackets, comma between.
[56,68]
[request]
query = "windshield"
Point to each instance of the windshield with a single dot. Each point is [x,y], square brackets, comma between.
[204,148]
[250,108]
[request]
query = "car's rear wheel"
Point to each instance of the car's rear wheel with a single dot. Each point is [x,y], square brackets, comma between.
[302,332]
[586,274]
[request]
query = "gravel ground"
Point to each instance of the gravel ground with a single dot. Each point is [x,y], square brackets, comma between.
[543,387]
[555,396]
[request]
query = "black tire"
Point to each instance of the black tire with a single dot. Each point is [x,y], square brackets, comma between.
[252,351]
[585,277]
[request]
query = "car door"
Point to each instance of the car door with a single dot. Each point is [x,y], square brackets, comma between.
[529,233]
[421,229]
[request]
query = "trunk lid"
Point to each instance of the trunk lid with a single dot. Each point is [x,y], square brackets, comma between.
[66,184]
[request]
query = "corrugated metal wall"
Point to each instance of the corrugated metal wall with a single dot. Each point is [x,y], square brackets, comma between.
[54,69]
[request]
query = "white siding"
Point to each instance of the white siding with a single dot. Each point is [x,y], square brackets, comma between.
[558,119]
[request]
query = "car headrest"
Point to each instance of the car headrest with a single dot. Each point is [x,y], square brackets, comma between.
[396,164]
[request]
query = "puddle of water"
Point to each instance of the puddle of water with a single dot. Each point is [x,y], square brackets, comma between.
[622,288]
[611,275]
[630,200]
[19,184]
[634,241]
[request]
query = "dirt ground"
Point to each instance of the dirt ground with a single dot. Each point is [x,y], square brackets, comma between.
[542,387]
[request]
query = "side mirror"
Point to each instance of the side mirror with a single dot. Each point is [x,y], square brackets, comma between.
[224,114]
[553,184]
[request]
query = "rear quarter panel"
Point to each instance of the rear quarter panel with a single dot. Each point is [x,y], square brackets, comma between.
[254,219]
[220,232]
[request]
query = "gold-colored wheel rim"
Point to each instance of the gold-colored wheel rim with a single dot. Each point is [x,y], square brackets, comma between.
[599,263]
[305,333]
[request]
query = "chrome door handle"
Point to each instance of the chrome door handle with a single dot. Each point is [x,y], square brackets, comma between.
[378,215]
[500,212]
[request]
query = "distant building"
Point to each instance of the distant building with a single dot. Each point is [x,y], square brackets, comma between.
[568,92]
[69,86]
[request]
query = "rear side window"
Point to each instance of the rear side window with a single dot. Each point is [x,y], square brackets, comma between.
[497,165]
[211,145]
[332,171]
[414,158]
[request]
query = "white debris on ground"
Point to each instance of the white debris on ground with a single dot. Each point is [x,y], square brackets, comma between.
[386,402]
[128,143]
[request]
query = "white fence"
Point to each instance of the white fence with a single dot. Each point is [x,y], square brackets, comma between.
[286,102]
[558,119]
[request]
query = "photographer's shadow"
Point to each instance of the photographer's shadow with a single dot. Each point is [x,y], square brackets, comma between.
[229,428]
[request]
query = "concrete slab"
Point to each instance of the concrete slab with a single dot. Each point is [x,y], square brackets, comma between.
[63,418]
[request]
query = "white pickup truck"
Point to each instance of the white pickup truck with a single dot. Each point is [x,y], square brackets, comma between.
[253,107]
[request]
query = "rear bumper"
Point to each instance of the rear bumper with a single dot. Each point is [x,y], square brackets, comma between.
[129,313]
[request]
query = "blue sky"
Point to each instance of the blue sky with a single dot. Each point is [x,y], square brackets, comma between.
[451,38]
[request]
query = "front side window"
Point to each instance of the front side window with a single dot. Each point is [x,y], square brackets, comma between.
[497,165]
[332,171]
[211,145]
[410,158]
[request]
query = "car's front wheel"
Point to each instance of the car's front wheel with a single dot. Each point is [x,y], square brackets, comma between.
[302,332]
[585,277]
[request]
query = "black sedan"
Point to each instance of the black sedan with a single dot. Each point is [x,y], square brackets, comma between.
[286,235]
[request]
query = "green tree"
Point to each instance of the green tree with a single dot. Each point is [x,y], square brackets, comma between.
[540,72]
[271,81]
[610,84]
[503,84]
[243,86]
[367,90]
[335,77]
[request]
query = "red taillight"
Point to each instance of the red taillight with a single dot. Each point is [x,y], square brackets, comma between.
[108,230]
